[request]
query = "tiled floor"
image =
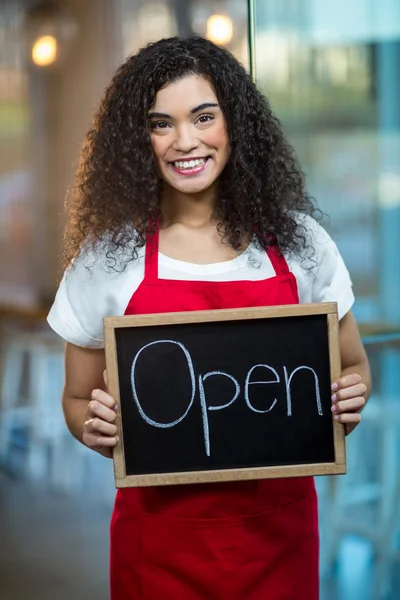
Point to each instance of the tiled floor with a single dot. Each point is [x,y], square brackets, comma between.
[55,547]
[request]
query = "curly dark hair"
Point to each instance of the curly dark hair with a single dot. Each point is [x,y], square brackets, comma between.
[117,185]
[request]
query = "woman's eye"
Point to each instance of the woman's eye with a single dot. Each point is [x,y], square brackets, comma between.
[205,118]
[159,125]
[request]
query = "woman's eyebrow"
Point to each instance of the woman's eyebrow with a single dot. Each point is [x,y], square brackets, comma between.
[159,115]
[203,107]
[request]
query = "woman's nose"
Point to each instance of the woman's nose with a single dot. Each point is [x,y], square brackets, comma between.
[186,139]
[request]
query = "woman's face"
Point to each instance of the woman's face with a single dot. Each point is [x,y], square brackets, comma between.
[189,135]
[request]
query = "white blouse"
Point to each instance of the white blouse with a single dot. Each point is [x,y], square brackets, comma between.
[89,291]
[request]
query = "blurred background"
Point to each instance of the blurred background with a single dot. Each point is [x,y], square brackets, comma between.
[331,69]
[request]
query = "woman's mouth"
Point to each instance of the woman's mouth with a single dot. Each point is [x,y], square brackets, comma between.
[189,167]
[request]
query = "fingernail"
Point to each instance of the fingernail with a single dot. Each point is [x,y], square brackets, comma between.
[336,417]
[333,408]
[335,387]
[334,398]
[116,407]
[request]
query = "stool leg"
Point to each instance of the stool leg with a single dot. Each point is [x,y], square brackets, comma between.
[10,392]
[334,510]
[37,456]
[389,511]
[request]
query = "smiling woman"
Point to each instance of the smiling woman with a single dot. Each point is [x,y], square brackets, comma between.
[188,197]
[152,115]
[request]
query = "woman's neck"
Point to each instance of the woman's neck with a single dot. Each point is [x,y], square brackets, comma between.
[193,210]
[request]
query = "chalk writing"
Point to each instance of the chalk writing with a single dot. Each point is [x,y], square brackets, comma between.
[289,393]
[134,391]
[204,406]
[237,389]
[248,382]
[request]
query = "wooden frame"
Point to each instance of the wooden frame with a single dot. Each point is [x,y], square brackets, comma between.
[112,323]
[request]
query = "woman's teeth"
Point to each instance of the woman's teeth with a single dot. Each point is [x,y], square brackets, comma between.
[189,164]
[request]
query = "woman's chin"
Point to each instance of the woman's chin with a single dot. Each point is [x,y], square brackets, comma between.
[191,187]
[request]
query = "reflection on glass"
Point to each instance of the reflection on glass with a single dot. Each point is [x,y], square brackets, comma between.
[336,89]
[332,73]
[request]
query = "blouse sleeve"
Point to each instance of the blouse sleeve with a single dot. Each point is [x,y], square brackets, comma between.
[87,293]
[76,313]
[332,282]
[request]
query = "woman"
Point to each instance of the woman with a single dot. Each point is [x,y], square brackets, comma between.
[188,198]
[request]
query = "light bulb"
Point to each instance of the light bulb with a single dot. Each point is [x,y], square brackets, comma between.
[44,51]
[219,29]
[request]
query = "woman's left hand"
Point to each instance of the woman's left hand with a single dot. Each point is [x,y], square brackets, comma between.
[348,400]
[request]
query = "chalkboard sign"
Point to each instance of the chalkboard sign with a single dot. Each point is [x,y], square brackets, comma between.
[225,395]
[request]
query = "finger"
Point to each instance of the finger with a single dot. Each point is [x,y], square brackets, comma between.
[346,381]
[354,418]
[97,425]
[96,409]
[98,441]
[349,392]
[104,398]
[352,405]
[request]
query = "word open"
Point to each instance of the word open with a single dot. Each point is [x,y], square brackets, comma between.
[197,389]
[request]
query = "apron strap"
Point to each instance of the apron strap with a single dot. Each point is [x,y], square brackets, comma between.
[278,260]
[151,256]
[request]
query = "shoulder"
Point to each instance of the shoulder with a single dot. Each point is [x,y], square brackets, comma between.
[316,235]
[319,245]
[321,273]
[93,288]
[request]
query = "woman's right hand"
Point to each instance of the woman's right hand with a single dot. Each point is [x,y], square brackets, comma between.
[99,430]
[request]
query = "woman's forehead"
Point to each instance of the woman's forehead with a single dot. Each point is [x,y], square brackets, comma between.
[187,92]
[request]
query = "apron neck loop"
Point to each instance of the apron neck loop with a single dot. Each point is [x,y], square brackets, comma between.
[151,256]
[274,253]
[277,259]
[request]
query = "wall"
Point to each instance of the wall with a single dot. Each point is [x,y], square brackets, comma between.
[64,102]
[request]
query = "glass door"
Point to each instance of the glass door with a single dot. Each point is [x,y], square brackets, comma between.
[331,70]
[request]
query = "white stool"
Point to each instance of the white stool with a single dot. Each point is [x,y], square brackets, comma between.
[379,436]
[39,356]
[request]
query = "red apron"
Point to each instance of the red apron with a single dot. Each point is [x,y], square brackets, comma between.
[250,540]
